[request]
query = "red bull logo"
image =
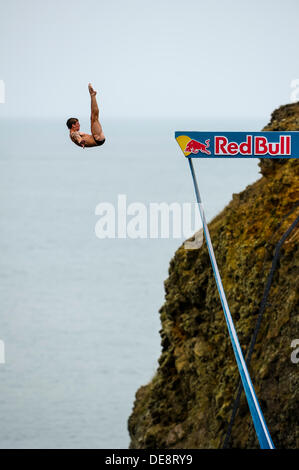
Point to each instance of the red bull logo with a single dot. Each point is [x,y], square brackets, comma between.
[194,146]
[239,144]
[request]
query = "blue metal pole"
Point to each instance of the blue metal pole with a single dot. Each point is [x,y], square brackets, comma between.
[256,412]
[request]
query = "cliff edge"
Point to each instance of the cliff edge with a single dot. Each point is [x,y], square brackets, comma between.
[188,402]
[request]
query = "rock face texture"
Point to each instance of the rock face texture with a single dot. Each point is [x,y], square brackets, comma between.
[188,402]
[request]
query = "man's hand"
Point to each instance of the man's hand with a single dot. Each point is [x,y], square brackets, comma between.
[82,143]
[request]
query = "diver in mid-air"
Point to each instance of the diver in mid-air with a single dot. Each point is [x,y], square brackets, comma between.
[96,137]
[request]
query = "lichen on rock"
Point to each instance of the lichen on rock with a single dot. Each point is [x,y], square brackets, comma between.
[188,402]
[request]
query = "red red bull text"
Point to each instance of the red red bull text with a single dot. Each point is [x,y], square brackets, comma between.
[260,145]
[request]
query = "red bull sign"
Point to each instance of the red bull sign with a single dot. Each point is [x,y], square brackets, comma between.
[239,144]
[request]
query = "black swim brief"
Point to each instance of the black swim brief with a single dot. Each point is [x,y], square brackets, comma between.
[100,142]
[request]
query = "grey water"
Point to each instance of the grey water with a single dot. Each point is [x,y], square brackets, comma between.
[78,314]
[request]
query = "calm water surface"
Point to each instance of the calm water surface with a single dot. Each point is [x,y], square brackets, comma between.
[79,315]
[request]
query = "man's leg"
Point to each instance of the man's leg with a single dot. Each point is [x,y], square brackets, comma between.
[96,128]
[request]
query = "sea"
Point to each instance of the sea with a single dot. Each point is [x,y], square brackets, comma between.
[79,320]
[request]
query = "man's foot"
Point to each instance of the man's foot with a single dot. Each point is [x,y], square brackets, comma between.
[91,90]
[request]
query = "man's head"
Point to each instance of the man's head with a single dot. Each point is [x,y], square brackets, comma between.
[73,124]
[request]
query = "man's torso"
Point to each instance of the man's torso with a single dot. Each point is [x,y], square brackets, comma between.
[89,140]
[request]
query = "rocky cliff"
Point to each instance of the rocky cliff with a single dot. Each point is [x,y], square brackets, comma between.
[188,402]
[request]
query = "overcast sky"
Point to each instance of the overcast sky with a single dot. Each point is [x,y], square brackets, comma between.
[148,58]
